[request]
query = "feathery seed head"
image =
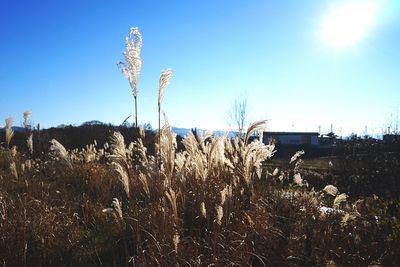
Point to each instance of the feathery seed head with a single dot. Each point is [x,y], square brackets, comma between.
[203,210]
[331,190]
[145,185]
[29,143]
[296,156]
[13,169]
[220,213]
[142,133]
[163,82]
[116,208]
[27,115]
[59,151]
[297,179]
[255,127]
[13,151]
[117,205]
[9,131]
[176,240]
[171,196]
[339,199]
[225,193]
[123,176]
[131,69]
[118,151]
[9,122]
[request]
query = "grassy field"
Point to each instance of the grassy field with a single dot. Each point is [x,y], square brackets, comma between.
[213,202]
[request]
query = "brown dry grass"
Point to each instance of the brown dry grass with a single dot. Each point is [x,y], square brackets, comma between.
[209,207]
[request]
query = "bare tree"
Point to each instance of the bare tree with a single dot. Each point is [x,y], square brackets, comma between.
[238,114]
[392,125]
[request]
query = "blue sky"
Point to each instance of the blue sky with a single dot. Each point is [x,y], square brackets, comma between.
[58,59]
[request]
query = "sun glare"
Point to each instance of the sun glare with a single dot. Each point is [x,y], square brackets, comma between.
[348,23]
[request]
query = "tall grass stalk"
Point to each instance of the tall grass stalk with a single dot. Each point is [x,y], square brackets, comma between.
[163,82]
[27,115]
[9,131]
[133,63]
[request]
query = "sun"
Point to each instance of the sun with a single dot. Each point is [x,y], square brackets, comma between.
[348,23]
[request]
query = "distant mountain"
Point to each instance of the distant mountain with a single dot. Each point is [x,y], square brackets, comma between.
[181,131]
[93,122]
[16,129]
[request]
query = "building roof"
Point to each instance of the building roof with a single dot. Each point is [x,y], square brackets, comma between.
[291,133]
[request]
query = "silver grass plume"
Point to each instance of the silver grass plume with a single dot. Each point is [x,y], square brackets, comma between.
[180,160]
[27,115]
[203,210]
[59,151]
[142,133]
[22,167]
[171,196]
[176,240]
[118,151]
[205,154]
[131,68]
[116,208]
[196,156]
[123,176]
[339,199]
[9,131]
[90,153]
[119,160]
[255,127]
[28,164]
[225,193]
[13,169]
[163,83]
[141,151]
[133,63]
[117,205]
[14,151]
[297,179]
[331,190]
[253,155]
[220,213]
[145,185]
[190,144]
[167,148]
[29,143]
[296,156]
[216,153]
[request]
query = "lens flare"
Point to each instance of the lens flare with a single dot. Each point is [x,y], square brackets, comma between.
[349,23]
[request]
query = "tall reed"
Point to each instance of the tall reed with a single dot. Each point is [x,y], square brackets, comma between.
[133,63]
[9,131]
[163,83]
[27,115]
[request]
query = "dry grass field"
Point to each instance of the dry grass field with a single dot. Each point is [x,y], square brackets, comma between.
[211,203]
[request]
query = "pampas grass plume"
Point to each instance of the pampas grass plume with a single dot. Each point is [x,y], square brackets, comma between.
[9,131]
[331,190]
